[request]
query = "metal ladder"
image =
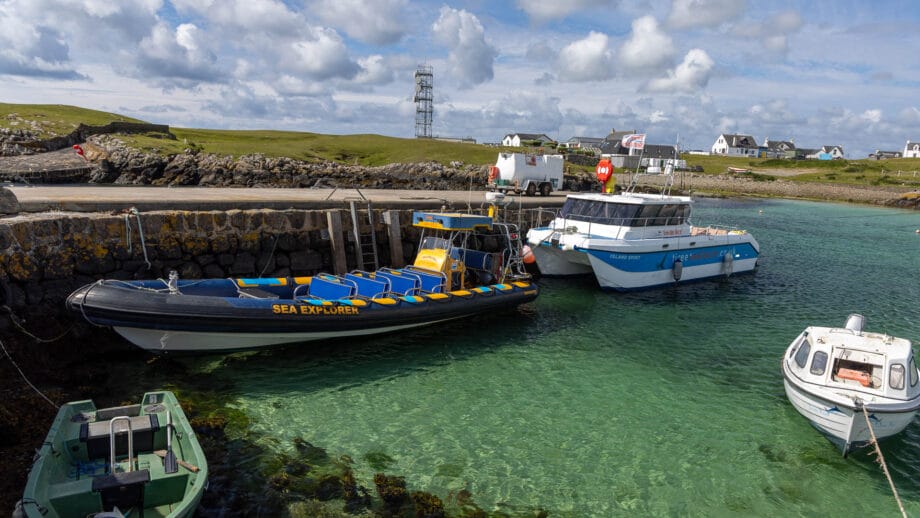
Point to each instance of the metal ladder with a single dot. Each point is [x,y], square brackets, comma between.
[514,261]
[365,244]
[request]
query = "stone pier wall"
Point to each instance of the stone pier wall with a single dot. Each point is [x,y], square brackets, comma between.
[44,257]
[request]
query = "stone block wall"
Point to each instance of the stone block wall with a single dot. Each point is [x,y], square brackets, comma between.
[44,257]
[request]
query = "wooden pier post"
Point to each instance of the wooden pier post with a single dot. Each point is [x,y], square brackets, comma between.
[391,218]
[334,220]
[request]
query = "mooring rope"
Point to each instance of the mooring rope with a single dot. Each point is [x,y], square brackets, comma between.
[39,392]
[881,460]
[140,232]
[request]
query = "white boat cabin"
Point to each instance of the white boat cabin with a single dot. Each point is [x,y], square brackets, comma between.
[651,215]
[854,360]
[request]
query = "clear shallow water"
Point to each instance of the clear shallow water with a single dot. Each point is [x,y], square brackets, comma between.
[588,403]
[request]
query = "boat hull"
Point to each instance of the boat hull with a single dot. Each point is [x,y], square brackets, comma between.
[845,425]
[73,476]
[626,267]
[214,320]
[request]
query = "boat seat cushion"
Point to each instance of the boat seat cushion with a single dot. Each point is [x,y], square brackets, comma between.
[403,283]
[370,288]
[96,436]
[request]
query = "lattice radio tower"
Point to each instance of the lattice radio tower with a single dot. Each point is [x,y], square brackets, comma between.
[424,110]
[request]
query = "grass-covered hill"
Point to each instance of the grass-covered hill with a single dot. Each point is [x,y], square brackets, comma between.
[46,121]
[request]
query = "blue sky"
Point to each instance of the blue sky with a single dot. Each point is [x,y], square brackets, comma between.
[834,72]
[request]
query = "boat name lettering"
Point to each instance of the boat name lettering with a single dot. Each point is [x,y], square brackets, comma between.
[697,256]
[624,257]
[675,232]
[292,309]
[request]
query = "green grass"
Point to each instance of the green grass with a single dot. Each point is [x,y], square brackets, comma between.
[368,150]
[52,120]
[850,172]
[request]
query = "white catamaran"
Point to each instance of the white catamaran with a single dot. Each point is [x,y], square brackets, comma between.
[632,241]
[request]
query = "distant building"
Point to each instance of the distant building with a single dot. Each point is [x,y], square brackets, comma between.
[585,143]
[884,155]
[827,153]
[622,157]
[522,139]
[911,150]
[778,148]
[735,145]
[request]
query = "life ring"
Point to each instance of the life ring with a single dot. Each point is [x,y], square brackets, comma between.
[604,170]
[493,172]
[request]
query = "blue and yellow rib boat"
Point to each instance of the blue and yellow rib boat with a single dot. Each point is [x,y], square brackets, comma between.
[450,278]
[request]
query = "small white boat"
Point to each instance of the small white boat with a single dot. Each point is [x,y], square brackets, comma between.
[633,241]
[832,373]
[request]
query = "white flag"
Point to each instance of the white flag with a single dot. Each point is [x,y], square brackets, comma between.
[634,141]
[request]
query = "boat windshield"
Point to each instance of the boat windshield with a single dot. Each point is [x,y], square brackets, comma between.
[435,243]
[625,214]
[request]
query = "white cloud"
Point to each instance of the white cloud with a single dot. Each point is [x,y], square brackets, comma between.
[471,58]
[648,47]
[703,13]
[371,21]
[588,59]
[691,75]
[872,116]
[322,56]
[773,32]
[177,56]
[658,116]
[374,70]
[545,10]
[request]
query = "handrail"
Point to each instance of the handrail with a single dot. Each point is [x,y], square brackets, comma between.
[112,443]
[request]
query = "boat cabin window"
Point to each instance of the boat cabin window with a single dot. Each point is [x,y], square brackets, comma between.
[896,377]
[435,243]
[801,356]
[624,214]
[819,363]
[912,367]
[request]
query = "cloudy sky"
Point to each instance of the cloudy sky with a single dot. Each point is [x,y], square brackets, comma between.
[841,72]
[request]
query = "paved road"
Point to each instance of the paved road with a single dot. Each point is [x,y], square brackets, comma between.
[105,198]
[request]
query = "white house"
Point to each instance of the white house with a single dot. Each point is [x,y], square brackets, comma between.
[828,153]
[735,145]
[516,139]
[911,150]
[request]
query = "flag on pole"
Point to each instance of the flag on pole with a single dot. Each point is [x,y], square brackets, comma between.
[634,141]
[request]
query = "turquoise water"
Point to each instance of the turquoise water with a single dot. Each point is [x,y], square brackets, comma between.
[589,403]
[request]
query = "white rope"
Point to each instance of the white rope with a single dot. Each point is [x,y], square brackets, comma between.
[140,232]
[881,460]
[39,392]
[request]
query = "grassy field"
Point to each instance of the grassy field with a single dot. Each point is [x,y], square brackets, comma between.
[51,120]
[900,172]
[375,150]
[370,150]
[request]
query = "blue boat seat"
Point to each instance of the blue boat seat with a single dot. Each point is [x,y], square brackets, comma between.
[432,282]
[368,287]
[403,283]
[473,258]
[328,287]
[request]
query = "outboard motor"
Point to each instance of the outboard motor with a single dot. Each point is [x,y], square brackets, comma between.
[856,323]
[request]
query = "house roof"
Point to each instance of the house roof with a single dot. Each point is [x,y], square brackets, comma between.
[780,145]
[828,149]
[742,141]
[586,140]
[531,136]
[650,150]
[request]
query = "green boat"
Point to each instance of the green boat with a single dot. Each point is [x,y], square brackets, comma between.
[135,460]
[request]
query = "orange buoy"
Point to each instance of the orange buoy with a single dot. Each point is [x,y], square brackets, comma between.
[527,255]
[493,172]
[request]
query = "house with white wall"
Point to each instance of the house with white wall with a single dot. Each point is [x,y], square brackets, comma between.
[911,150]
[516,139]
[735,145]
[827,153]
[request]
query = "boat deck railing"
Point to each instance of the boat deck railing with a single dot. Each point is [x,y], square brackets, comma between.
[639,229]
